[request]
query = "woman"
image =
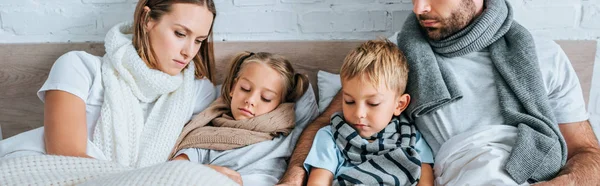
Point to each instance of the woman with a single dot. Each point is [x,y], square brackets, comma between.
[130,105]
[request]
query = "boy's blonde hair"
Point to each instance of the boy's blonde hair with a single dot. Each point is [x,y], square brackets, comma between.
[375,61]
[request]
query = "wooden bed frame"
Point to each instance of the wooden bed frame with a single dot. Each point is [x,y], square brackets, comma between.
[25,67]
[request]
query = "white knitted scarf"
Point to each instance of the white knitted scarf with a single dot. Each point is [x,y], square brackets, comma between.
[122,132]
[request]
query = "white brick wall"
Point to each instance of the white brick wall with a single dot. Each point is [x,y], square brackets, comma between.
[31,21]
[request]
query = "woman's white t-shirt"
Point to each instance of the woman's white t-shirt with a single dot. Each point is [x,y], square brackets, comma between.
[78,73]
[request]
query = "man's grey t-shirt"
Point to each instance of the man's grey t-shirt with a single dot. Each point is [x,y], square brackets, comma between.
[480,104]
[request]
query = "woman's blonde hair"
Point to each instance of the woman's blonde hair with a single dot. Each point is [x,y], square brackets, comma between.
[294,84]
[204,60]
[377,61]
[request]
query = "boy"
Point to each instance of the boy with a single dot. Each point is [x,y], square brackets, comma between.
[370,142]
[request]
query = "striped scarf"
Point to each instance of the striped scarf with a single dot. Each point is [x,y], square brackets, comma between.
[391,159]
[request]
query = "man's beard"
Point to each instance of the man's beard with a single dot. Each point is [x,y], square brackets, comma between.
[458,20]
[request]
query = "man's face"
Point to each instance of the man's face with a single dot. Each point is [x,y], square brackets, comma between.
[443,18]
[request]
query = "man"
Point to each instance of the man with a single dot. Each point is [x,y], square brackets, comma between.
[472,67]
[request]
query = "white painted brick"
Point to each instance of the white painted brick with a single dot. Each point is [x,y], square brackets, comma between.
[35,23]
[17,3]
[548,2]
[256,22]
[391,1]
[104,1]
[547,17]
[2,31]
[239,20]
[398,18]
[348,21]
[253,2]
[301,1]
[352,1]
[591,16]
[110,18]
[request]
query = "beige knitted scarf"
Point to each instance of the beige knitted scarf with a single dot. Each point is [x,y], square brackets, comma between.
[214,129]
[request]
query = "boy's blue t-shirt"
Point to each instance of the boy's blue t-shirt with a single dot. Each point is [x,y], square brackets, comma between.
[325,154]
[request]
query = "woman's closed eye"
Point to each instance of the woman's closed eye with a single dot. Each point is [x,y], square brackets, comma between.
[182,35]
[179,34]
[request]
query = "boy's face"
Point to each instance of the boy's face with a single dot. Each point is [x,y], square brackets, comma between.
[369,108]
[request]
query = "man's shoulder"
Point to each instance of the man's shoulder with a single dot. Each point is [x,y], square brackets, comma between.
[550,55]
[545,46]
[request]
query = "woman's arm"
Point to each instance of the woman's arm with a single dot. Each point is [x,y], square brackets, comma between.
[426,175]
[319,177]
[65,129]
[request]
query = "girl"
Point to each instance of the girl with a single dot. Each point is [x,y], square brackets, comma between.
[256,105]
[129,105]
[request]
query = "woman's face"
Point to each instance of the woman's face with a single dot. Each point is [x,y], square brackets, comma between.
[175,37]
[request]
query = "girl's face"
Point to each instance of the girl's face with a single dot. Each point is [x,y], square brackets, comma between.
[176,37]
[257,90]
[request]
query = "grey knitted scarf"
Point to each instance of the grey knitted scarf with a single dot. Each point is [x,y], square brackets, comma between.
[391,159]
[540,150]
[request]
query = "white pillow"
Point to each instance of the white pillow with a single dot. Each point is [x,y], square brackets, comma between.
[329,85]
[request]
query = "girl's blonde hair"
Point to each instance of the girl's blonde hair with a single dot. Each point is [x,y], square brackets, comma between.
[204,60]
[295,84]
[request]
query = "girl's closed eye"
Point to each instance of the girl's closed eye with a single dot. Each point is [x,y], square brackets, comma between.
[267,98]
[245,88]
[349,102]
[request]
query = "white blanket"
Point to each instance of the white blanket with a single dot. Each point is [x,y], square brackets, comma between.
[32,143]
[476,157]
[62,170]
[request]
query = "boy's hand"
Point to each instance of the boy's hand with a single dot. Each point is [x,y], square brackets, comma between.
[233,175]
